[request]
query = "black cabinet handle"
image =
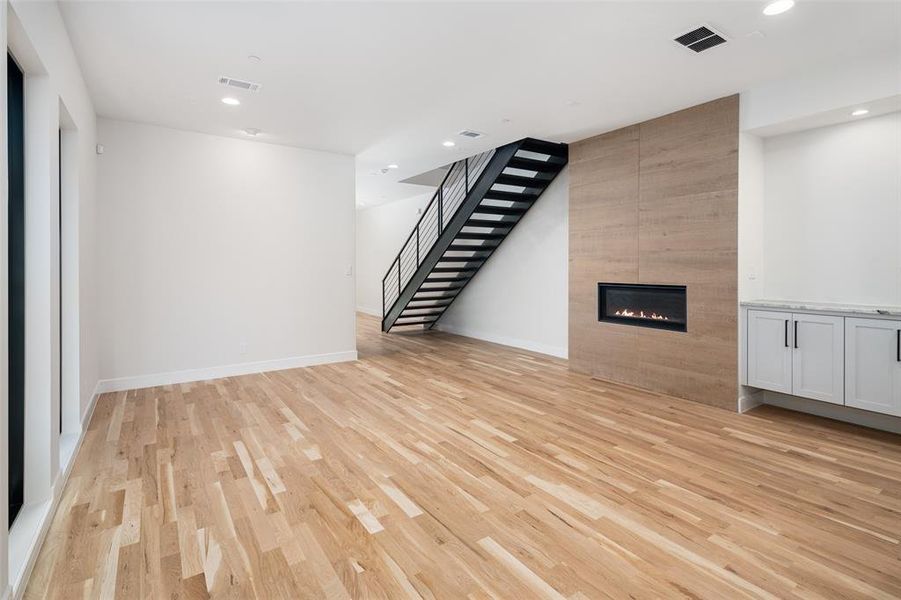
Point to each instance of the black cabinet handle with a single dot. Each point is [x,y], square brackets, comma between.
[796,334]
[898,345]
[786,333]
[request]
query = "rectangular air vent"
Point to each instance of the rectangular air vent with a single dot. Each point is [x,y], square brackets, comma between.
[468,133]
[701,38]
[240,84]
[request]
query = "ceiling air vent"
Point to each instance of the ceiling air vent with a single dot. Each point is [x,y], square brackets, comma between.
[700,39]
[240,84]
[468,133]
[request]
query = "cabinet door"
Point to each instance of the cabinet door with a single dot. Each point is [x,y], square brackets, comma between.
[769,353]
[818,352]
[873,365]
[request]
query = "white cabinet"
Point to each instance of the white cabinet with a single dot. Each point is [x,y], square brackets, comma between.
[873,365]
[818,350]
[797,353]
[769,350]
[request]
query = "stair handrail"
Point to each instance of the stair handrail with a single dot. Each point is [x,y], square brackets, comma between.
[479,161]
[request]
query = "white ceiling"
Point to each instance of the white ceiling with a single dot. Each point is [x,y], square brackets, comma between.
[389,81]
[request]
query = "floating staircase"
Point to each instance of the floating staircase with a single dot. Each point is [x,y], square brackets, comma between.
[478,204]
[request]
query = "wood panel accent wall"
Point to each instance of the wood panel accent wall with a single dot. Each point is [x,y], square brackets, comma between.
[657,202]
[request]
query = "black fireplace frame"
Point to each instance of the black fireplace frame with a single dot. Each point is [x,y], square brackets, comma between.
[604,317]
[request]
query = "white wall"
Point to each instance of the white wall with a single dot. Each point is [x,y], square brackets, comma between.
[832,213]
[220,256]
[779,104]
[750,216]
[38,39]
[42,44]
[381,230]
[521,296]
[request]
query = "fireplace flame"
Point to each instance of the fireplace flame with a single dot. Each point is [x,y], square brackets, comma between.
[640,315]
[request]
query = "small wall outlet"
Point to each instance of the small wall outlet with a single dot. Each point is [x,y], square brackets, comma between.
[242,348]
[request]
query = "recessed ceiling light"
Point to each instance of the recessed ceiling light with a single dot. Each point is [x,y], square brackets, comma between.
[860,112]
[252,131]
[392,166]
[254,58]
[448,144]
[231,101]
[777,7]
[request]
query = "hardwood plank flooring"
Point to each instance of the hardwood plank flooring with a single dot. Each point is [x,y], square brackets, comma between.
[442,467]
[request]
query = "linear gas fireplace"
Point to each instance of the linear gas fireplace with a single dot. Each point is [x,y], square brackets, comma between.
[657,306]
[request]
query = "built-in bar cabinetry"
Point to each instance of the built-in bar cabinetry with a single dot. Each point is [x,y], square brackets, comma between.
[850,357]
[873,365]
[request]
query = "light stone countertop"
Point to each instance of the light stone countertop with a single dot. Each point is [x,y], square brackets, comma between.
[855,309]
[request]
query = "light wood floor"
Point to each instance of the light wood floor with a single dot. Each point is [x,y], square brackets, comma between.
[440,467]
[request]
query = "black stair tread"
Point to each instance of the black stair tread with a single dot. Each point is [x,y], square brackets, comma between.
[488,223]
[498,210]
[398,324]
[531,164]
[446,279]
[465,235]
[543,147]
[453,269]
[468,262]
[437,302]
[406,315]
[510,196]
[434,300]
[528,182]
[468,248]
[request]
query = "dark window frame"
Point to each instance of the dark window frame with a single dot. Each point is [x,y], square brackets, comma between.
[15,82]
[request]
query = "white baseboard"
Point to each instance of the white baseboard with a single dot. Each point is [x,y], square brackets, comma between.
[189,375]
[366,310]
[749,401]
[42,515]
[506,341]
[835,411]
[89,413]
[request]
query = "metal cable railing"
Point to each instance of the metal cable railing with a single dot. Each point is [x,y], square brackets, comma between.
[438,213]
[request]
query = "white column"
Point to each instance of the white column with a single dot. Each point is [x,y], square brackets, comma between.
[71,335]
[41,288]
